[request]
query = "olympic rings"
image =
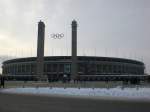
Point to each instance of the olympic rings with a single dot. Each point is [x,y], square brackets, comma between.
[57,35]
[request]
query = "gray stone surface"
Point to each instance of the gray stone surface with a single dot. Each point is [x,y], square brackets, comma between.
[34,103]
[40,49]
[74,50]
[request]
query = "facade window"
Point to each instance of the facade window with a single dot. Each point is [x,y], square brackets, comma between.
[54,68]
[48,67]
[19,69]
[67,68]
[61,68]
[23,68]
[98,68]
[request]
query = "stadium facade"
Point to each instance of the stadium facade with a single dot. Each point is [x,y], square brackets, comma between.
[75,67]
[89,67]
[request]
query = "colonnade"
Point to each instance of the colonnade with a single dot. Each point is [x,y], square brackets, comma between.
[98,68]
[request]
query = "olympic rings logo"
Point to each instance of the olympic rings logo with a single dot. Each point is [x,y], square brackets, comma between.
[57,35]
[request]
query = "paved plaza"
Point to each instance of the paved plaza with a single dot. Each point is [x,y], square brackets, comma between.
[35,103]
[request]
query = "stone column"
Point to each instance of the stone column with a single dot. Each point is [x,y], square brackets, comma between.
[40,50]
[74,50]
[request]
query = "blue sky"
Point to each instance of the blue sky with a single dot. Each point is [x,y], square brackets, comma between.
[117,28]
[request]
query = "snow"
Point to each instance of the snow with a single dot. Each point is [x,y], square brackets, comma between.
[134,93]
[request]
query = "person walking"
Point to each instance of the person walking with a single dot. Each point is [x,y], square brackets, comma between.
[2,81]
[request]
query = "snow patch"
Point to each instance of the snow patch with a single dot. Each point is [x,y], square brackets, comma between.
[136,93]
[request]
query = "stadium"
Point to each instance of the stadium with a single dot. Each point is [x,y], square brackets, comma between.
[74,67]
[89,68]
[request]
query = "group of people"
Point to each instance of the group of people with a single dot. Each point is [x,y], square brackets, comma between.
[2,81]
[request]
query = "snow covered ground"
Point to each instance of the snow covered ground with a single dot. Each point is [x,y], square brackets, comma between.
[118,92]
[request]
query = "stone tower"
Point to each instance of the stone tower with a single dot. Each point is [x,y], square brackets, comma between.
[74,50]
[40,49]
